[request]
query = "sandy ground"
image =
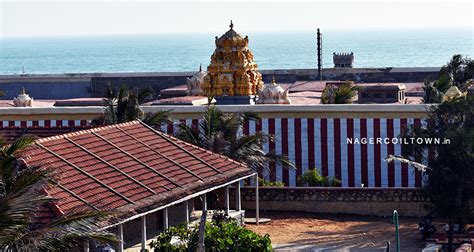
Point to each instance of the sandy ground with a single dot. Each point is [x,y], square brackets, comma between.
[338,231]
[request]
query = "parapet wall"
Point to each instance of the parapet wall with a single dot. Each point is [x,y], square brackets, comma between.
[65,86]
[361,201]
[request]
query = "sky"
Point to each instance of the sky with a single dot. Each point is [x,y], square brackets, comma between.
[78,18]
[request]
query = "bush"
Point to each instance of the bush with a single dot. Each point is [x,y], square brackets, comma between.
[221,234]
[313,178]
[262,182]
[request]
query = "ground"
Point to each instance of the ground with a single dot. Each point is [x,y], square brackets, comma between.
[334,232]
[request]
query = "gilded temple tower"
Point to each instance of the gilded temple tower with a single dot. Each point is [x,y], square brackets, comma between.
[233,73]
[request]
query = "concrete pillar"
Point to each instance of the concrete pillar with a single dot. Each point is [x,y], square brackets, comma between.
[143,233]
[204,202]
[165,219]
[86,246]
[257,203]
[227,205]
[238,203]
[186,205]
[120,236]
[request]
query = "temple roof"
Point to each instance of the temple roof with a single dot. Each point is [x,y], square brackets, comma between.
[230,34]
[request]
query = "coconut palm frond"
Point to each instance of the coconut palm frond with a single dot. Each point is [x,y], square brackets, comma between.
[416,165]
[187,134]
[158,119]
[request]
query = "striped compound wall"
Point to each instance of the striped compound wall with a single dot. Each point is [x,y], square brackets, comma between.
[322,143]
[313,136]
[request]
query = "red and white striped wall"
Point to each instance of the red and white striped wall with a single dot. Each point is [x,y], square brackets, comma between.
[44,123]
[321,143]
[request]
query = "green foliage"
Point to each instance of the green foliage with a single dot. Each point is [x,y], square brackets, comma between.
[123,105]
[262,182]
[341,95]
[314,178]
[22,195]
[220,235]
[457,72]
[450,183]
[219,133]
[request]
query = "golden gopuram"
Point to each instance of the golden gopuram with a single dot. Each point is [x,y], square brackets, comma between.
[233,71]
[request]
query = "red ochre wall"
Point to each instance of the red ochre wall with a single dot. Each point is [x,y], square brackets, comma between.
[312,136]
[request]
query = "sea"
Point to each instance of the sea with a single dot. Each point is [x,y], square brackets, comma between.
[272,50]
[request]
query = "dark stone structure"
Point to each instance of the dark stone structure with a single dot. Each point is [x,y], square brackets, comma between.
[66,86]
[343,60]
[382,94]
[334,200]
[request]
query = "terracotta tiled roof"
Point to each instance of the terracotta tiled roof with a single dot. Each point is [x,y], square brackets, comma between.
[128,167]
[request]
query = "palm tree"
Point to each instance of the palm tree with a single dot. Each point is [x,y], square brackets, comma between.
[341,95]
[124,106]
[219,133]
[22,195]
[450,173]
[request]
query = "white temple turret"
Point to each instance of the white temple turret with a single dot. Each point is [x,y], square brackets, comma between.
[273,94]
[23,99]
[194,84]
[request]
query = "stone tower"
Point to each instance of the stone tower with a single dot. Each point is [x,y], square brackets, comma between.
[233,76]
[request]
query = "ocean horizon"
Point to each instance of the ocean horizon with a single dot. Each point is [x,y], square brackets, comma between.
[272,50]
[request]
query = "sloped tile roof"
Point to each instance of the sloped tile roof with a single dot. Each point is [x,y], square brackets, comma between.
[128,167]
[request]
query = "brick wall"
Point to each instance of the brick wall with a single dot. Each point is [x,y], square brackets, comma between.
[362,201]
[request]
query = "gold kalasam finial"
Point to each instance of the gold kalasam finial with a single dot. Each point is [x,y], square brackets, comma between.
[200,67]
[23,91]
[231,25]
[273,79]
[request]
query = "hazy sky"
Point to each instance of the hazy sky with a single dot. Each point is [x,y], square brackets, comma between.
[66,18]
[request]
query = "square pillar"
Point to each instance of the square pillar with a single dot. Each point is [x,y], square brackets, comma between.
[257,204]
[165,219]
[238,203]
[143,233]
[86,246]
[186,205]
[227,205]
[120,237]
[204,202]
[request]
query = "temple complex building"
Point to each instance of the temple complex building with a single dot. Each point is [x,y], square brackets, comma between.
[233,75]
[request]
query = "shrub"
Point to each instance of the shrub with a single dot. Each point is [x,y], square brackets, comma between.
[221,234]
[262,182]
[313,178]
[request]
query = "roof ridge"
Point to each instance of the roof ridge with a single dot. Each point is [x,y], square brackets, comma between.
[85,131]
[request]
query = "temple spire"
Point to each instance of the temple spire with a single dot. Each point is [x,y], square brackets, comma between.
[231,25]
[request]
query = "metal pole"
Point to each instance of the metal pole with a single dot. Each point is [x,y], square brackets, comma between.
[320,47]
[397,237]
[143,233]
[257,205]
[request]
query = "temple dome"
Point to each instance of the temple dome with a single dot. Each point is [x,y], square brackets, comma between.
[233,70]
[273,94]
[231,37]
